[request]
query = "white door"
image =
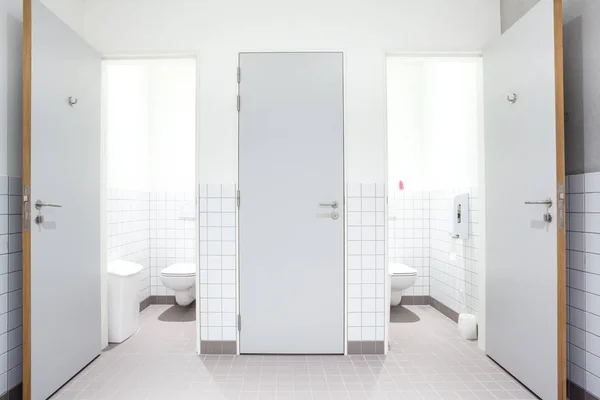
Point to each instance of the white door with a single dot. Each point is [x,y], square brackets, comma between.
[64,169]
[291,171]
[521,141]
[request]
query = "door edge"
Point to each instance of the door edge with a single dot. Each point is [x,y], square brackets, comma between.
[26,177]
[560,182]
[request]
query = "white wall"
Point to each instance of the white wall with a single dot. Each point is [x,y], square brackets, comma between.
[11,26]
[219,29]
[512,10]
[150,106]
[433,117]
[11,32]
[127,126]
[172,125]
[71,12]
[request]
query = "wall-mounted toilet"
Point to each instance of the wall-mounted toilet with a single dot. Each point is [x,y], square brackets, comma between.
[180,278]
[401,278]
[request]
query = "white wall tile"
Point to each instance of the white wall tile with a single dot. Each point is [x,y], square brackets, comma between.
[354,219]
[354,334]
[575,183]
[592,384]
[368,190]
[592,283]
[576,202]
[218,256]
[592,202]
[354,319]
[591,223]
[354,190]
[592,323]
[577,298]
[592,183]
[577,356]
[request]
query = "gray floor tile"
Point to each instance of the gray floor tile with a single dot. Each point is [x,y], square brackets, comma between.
[427,361]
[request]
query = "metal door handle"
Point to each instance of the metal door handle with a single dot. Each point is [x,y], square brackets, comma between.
[39,204]
[332,205]
[547,202]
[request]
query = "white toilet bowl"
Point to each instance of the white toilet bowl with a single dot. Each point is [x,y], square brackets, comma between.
[401,278]
[180,278]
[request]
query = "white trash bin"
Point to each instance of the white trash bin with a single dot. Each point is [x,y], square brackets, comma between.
[123,303]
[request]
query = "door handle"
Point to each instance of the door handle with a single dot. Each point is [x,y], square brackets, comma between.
[332,205]
[39,204]
[547,202]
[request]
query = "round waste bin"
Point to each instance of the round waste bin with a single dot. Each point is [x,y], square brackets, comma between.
[123,304]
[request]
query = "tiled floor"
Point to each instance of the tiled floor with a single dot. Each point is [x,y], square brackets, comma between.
[427,361]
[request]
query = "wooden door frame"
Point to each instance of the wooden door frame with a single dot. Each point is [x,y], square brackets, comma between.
[560,180]
[26,172]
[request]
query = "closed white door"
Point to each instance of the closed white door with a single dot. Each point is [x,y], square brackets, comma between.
[291,181]
[524,169]
[61,164]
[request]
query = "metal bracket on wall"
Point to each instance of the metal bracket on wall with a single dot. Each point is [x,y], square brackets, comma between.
[239,322]
[238,198]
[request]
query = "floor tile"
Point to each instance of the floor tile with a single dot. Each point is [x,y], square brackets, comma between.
[427,361]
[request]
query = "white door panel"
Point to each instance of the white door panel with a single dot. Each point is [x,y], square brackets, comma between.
[65,169]
[291,160]
[520,157]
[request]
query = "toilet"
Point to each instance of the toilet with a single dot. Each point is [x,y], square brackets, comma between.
[401,278]
[181,278]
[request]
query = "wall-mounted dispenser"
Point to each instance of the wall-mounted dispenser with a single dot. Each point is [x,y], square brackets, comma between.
[460,218]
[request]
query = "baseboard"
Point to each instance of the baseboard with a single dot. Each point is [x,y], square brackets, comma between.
[162,299]
[444,309]
[415,301]
[145,303]
[170,300]
[576,392]
[218,347]
[366,347]
[16,393]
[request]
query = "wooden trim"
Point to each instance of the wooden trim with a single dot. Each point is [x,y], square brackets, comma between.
[27,44]
[560,179]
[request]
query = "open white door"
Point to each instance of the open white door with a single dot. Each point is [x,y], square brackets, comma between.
[524,156]
[61,165]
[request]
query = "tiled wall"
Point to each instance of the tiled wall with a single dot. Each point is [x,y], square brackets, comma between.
[454,280]
[129,231]
[583,280]
[218,262]
[366,261]
[172,234]
[154,229]
[419,236]
[11,314]
[409,236]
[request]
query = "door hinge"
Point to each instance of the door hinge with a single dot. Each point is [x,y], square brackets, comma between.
[238,102]
[239,322]
[238,198]
[26,208]
[239,75]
